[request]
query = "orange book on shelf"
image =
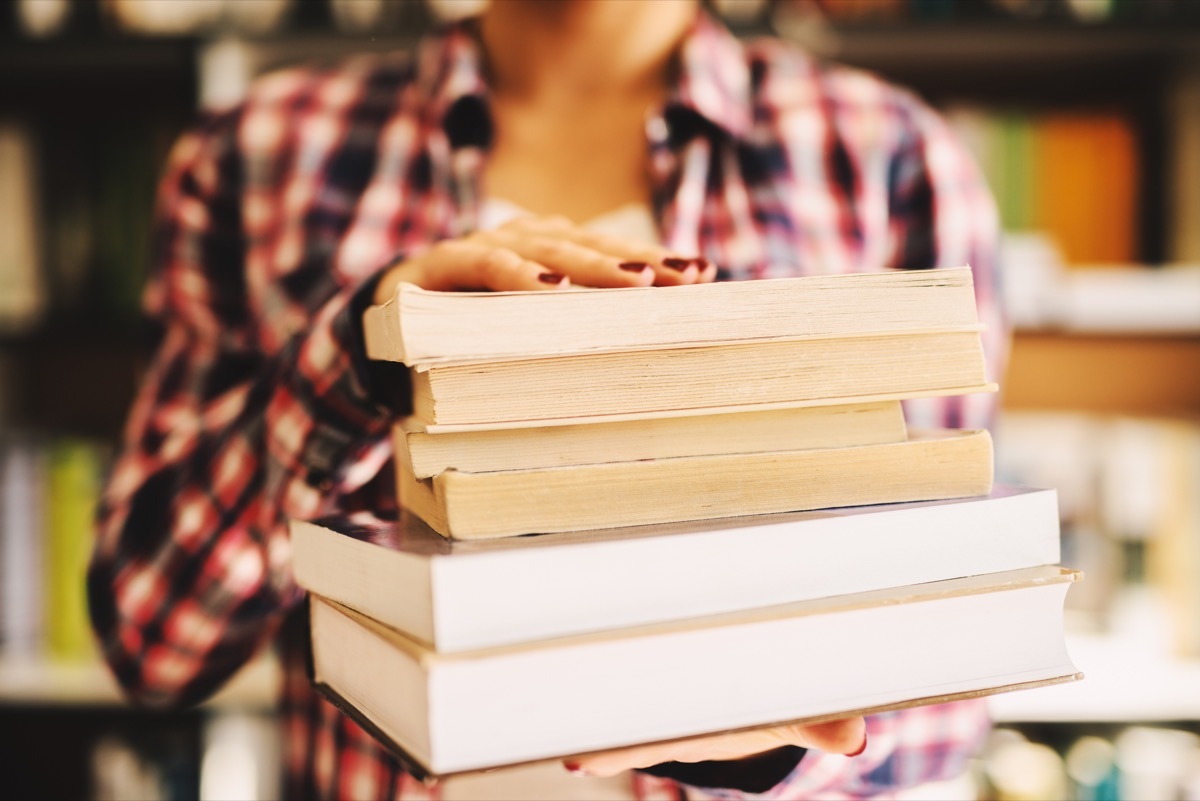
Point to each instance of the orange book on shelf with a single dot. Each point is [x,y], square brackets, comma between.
[1118,171]
[1086,169]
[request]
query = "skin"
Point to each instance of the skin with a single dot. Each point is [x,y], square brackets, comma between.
[572,81]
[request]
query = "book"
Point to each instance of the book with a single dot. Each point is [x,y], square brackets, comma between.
[932,465]
[74,469]
[1086,190]
[22,506]
[419,326]
[22,292]
[788,372]
[698,434]
[451,713]
[461,595]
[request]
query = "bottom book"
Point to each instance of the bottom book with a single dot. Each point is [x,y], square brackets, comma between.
[813,660]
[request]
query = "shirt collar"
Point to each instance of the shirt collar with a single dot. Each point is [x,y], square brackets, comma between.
[449,68]
[713,79]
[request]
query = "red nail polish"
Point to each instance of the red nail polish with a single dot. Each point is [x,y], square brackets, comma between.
[861,748]
[572,766]
[550,278]
[701,264]
[677,264]
[633,266]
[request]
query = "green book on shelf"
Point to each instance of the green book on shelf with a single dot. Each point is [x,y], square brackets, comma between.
[73,471]
[1014,170]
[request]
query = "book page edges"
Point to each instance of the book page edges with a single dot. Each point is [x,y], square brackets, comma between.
[425,365]
[415,423]
[458,519]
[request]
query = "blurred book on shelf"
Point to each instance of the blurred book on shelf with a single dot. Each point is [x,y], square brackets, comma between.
[99,225]
[22,512]
[49,487]
[1133,762]
[1129,498]
[1073,177]
[1183,119]
[22,288]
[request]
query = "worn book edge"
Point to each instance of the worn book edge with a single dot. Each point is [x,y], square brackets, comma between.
[427,498]
[385,323]
[416,424]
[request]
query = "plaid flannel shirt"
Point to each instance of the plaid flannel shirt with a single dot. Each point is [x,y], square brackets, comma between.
[272,221]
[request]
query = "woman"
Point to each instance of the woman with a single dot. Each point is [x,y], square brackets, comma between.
[544,144]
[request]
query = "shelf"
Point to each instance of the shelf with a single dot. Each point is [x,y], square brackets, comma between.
[36,682]
[958,43]
[1117,373]
[1124,682]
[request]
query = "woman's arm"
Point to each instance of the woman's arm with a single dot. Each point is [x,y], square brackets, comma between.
[226,439]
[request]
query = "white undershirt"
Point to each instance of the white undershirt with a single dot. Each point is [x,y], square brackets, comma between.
[633,221]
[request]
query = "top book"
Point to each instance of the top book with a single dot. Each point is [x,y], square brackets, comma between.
[420,327]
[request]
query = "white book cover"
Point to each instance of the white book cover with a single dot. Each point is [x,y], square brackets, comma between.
[474,594]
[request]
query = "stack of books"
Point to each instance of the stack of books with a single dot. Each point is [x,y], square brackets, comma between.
[610,533]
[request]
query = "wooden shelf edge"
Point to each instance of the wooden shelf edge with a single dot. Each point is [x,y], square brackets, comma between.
[36,681]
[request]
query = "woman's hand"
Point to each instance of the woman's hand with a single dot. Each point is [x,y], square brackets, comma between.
[543,253]
[846,736]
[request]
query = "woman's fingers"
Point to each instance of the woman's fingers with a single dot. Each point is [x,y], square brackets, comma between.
[669,268]
[541,253]
[847,736]
[466,264]
[583,265]
[844,736]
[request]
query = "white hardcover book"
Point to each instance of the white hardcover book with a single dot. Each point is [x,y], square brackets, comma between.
[451,713]
[459,595]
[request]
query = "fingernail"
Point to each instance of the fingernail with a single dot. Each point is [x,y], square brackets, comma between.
[701,264]
[633,266]
[677,264]
[861,748]
[551,278]
[573,767]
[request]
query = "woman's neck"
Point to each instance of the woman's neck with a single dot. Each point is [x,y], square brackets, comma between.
[583,49]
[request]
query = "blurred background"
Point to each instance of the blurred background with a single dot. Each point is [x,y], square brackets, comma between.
[1084,116]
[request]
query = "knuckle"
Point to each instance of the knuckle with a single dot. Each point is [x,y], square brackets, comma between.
[498,261]
[556,249]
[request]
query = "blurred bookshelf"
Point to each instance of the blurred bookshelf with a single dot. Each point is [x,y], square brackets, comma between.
[1084,116]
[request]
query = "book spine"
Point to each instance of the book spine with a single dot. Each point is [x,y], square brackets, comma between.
[73,489]
[472,506]
[21,570]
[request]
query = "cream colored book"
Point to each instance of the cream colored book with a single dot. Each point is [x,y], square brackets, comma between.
[656,382]
[419,327]
[890,648]
[928,466]
[529,448]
